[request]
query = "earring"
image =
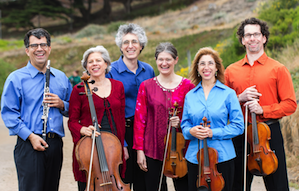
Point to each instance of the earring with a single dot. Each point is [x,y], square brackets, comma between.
[216,73]
[198,74]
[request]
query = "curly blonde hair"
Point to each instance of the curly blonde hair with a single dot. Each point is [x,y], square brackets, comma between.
[193,75]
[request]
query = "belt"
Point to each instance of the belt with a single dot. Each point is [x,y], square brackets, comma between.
[130,122]
[271,121]
[51,135]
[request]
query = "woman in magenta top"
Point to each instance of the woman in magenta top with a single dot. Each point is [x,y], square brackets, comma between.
[109,100]
[155,98]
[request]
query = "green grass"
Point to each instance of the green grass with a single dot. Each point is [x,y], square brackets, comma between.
[6,45]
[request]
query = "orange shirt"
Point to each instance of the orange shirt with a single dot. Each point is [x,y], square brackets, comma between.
[272,80]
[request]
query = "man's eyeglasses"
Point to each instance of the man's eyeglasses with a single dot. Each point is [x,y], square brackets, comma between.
[133,42]
[255,35]
[35,46]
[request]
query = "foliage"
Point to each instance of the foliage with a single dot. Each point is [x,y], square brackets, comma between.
[90,30]
[62,40]
[5,70]
[113,27]
[183,72]
[283,17]
[19,13]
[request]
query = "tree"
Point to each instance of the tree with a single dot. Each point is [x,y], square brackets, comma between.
[19,13]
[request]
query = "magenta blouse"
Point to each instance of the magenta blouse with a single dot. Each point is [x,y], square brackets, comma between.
[152,112]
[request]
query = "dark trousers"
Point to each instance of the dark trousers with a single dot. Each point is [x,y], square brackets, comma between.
[225,168]
[38,170]
[152,177]
[277,181]
[81,186]
[133,175]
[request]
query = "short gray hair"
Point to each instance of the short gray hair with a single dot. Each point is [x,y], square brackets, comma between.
[131,28]
[168,48]
[99,49]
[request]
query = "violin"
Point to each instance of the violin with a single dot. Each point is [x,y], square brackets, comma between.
[101,167]
[261,161]
[174,162]
[209,179]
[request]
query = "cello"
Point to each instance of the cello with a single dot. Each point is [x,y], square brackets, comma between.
[209,179]
[174,162]
[261,161]
[101,167]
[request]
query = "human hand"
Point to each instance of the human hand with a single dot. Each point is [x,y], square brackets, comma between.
[249,94]
[201,132]
[87,131]
[126,153]
[175,121]
[141,160]
[254,106]
[37,142]
[53,100]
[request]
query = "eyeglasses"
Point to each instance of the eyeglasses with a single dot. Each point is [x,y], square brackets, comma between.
[255,35]
[133,42]
[35,46]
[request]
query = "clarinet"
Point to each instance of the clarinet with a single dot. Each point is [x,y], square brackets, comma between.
[45,105]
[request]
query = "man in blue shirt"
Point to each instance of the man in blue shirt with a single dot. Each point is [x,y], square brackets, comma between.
[131,39]
[38,162]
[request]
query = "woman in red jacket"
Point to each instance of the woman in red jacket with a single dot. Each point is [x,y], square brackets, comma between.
[109,100]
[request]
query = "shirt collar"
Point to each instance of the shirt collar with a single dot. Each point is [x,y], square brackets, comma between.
[33,71]
[217,84]
[123,67]
[262,59]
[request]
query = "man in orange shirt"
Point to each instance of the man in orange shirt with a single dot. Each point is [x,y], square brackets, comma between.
[266,87]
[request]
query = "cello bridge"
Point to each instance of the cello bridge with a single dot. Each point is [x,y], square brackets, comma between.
[106,183]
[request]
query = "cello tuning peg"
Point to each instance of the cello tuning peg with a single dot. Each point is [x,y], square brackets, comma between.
[92,82]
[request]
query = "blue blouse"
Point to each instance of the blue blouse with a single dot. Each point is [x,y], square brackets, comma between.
[223,110]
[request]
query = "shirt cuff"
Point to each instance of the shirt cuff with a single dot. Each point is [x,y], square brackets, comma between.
[65,112]
[24,133]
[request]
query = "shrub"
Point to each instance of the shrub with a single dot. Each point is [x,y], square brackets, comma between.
[113,27]
[5,70]
[90,30]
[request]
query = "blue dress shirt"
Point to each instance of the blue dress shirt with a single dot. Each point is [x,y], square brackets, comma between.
[221,106]
[22,97]
[119,71]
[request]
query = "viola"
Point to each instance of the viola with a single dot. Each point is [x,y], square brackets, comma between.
[209,178]
[261,161]
[101,167]
[175,162]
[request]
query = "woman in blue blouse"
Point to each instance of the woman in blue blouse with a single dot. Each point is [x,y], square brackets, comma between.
[212,99]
